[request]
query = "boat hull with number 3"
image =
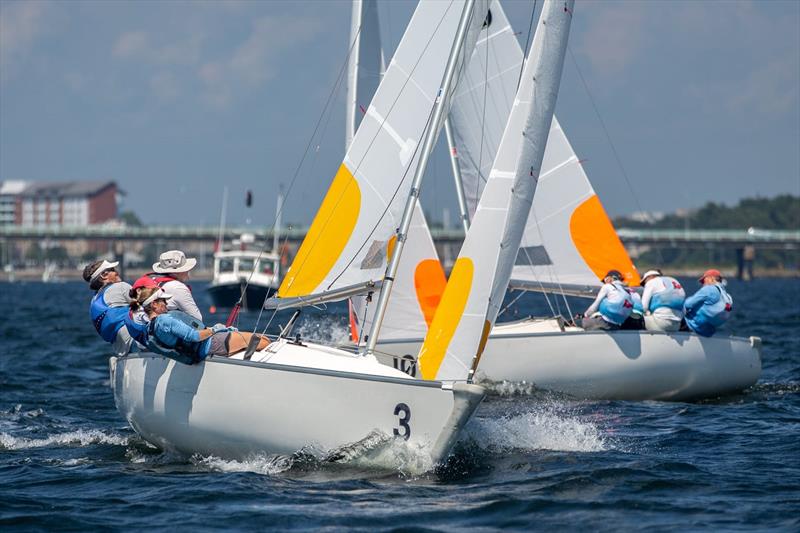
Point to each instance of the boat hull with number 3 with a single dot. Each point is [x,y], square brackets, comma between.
[286,398]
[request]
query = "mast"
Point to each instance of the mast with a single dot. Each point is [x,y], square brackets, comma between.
[221,235]
[413,195]
[462,200]
[276,230]
[352,74]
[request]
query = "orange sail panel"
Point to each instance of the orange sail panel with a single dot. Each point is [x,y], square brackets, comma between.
[598,243]
[444,325]
[326,238]
[429,282]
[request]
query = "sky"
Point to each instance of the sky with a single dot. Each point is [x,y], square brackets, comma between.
[175,100]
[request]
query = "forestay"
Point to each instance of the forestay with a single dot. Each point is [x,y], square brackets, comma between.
[365,64]
[481,273]
[352,235]
[569,241]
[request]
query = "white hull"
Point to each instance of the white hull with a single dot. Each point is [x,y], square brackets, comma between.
[622,365]
[233,408]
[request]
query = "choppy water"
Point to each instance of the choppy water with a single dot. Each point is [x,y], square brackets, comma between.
[69,461]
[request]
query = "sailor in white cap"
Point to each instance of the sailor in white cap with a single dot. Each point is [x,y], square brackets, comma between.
[662,301]
[109,305]
[171,273]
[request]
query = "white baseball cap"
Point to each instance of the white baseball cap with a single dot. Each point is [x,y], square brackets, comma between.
[158,295]
[650,273]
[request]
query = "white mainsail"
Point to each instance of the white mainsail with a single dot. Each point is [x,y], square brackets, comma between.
[353,233]
[569,241]
[482,271]
[417,293]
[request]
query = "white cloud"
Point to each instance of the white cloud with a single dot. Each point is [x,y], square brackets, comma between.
[132,44]
[256,60]
[20,24]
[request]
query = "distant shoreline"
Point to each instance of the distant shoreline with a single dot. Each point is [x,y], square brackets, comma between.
[35,274]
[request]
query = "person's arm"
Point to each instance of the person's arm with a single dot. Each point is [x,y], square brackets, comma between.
[696,300]
[646,295]
[183,331]
[596,304]
[182,299]
[117,295]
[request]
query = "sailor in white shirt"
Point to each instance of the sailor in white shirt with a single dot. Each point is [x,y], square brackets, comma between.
[662,301]
[171,273]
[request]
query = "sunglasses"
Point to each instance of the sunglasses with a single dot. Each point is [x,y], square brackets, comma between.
[109,271]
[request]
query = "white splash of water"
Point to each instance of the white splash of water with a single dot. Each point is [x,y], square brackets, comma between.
[547,428]
[72,438]
[326,329]
[268,465]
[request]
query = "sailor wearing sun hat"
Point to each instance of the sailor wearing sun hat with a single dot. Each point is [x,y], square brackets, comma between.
[710,307]
[109,306]
[171,273]
[662,301]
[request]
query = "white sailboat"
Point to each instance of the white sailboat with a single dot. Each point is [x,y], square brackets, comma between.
[294,395]
[567,244]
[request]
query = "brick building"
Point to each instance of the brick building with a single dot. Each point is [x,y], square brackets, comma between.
[69,203]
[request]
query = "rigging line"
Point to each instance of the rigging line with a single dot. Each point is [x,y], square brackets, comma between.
[608,138]
[334,90]
[405,173]
[483,108]
[527,44]
[512,302]
[369,146]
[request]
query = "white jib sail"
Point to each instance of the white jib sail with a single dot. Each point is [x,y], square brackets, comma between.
[569,241]
[482,271]
[349,240]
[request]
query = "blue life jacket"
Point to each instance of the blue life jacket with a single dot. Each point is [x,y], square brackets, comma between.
[107,320]
[670,295]
[618,305]
[187,353]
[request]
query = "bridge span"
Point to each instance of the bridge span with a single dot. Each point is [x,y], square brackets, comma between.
[761,239]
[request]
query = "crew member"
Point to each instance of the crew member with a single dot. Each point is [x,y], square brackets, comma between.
[109,306]
[662,301]
[171,337]
[710,307]
[612,306]
[171,273]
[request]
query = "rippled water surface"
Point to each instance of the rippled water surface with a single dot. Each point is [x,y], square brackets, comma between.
[68,460]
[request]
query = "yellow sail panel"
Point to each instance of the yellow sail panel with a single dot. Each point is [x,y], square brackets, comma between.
[598,243]
[326,238]
[447,317]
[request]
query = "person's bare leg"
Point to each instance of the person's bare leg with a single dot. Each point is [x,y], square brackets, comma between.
[239,341]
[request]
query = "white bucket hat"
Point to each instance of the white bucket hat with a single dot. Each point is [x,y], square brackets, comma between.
[173,261]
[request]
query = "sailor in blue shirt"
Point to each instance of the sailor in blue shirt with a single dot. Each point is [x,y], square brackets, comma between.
[168,333]
[710,307]
[109,306]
